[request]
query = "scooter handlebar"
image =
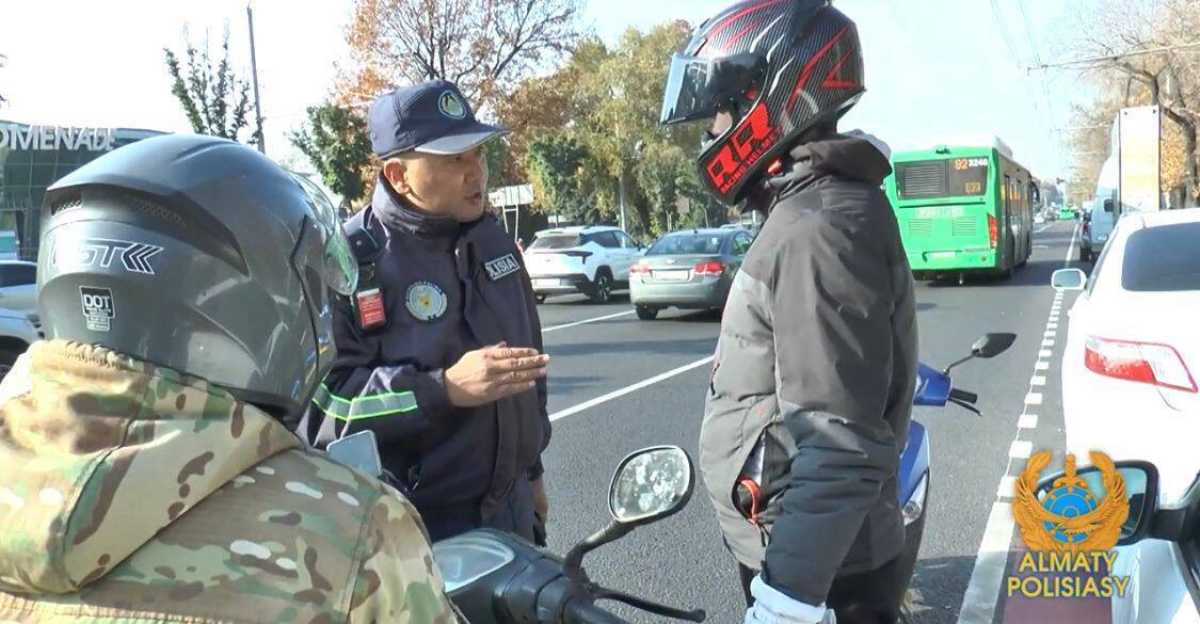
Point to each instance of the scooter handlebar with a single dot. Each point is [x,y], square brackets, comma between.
[580,611]
[963,395]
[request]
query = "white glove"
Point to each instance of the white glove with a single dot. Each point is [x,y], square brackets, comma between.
[772,606]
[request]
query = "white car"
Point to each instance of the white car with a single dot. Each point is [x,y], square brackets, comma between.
[592,260]
[19,324]
[1130,388]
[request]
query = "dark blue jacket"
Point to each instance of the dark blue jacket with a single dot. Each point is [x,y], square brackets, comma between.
[447,289]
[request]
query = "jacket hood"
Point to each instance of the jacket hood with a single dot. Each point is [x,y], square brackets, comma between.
[856,156]
[100,452]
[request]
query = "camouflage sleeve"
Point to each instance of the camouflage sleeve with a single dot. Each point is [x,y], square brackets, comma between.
[398,580]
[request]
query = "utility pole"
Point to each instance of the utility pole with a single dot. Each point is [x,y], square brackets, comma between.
[262,140]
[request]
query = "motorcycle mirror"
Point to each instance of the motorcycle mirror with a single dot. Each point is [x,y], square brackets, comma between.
[1058,496]
[648,485]
[992,345]
[651,484]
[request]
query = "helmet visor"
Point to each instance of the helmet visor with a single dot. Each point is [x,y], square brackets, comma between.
[339,267]
[686,97]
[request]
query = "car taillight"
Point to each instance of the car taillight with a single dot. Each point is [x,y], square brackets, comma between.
[993,231]
[639,268]
[711,267]
[583,255]
[1155,364]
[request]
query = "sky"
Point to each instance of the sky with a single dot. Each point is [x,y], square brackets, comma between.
[936,70]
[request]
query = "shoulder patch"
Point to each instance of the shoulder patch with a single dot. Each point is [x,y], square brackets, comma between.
[502,267]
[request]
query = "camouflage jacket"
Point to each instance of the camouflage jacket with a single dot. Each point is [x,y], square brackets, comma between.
[132,493]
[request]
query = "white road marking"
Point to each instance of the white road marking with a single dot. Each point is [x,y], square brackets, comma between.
[1043,228]
[979,601]
[1037,380]
[586,321]
[987,578]
[1051,325]
[1042,366]
[1033,398]
[1020,449]
[1007,486]
[629,389]
[1027,421]
[1045,353]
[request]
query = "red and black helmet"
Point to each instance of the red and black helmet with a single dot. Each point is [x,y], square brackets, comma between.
[779,67]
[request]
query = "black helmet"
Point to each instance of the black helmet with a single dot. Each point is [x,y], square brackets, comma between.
[201,255]
[780,67]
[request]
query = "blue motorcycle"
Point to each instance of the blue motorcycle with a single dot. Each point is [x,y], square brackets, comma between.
[498,577]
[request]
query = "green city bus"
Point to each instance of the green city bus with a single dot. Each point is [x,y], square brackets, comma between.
[963,209]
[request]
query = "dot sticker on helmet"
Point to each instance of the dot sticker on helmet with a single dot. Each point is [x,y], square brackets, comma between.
[98,308]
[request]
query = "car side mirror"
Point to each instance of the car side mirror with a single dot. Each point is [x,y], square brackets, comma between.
[992,345]
[1140,480]
[1066,280]
[1108,205]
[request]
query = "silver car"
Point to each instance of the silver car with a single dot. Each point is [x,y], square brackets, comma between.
[690,269]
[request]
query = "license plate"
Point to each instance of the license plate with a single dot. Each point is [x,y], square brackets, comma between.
[545,283]
[672,276]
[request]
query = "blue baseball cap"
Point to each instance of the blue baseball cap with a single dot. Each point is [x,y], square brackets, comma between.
[432,118]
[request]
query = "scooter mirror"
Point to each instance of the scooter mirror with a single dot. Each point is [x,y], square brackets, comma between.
[651,484]
[992,345]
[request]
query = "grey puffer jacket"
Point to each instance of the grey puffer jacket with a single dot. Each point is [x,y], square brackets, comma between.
[812,384]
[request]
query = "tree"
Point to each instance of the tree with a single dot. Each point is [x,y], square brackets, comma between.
[1143,44]
[214,99]
[556,162]
[336,142]
[481,45]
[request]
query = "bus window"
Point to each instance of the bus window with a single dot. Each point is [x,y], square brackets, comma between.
[941,178]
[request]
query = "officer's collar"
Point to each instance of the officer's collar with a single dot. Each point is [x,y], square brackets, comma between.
[396,214]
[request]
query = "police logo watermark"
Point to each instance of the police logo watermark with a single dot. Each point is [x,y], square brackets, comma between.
[451,106]
[1070,527]
[98,308]
[502,267]
[426,301]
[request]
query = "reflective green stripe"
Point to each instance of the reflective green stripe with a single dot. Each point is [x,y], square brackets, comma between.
[359,408]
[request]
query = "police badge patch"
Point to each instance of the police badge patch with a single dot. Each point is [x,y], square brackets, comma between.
[502,267]
[426,301]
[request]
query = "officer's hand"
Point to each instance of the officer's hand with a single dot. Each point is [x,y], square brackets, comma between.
[486,375]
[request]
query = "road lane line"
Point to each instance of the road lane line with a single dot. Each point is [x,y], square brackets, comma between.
[1033,398]
[979,601]
[629,389]
[1045,353]
[1028,421]
[1020,449]
[1007,484]
[1037,380]
[1042,366]
[586,321]
[987,577]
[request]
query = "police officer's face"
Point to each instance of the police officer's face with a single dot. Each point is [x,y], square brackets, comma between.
[449,186]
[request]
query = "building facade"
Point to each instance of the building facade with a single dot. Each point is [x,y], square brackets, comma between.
[34,157]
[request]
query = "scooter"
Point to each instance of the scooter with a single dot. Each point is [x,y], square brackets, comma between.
[935,388]
[497,577]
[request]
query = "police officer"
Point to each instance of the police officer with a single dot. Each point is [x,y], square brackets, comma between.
[811,391]
[439,349]
[149,471]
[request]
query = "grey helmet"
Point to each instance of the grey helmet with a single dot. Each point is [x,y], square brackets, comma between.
[201,255]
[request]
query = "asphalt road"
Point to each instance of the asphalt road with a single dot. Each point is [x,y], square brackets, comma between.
[599,351]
